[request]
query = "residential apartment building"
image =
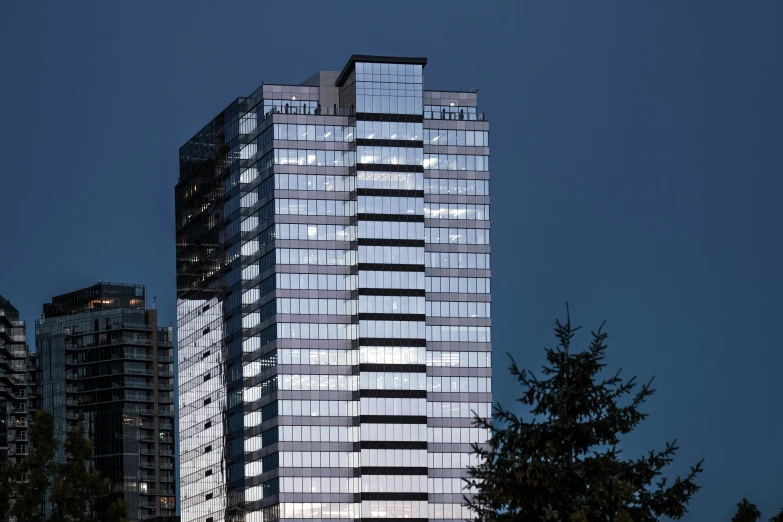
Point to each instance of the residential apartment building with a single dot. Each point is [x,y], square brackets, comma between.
[104,363]
[333,293]
[16,398]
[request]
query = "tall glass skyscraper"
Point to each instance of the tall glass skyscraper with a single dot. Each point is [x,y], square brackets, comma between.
[333,290]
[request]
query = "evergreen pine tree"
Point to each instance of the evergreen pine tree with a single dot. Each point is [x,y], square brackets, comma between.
[561,462]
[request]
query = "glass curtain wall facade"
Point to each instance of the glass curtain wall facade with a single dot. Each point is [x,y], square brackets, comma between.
[103,362]
[333,299]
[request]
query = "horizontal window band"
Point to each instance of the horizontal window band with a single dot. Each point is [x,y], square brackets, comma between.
[381,167]
[402,218]
[406,292]
[394,394]
[393,444]
[386,470]
[363,241]
[395,193]
[393,496]
[393,519]
[374,116]
[409,368]
[393,419]
[392,317]
[390,143]
[384,267]
[384,341]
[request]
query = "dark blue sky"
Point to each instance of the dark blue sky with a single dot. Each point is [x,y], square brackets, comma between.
[636,172]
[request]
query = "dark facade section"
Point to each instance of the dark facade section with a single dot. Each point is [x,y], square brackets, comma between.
[104,364]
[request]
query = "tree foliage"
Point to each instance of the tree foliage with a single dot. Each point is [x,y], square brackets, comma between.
[72,486]
[561,462]
[37,468]
[746,512]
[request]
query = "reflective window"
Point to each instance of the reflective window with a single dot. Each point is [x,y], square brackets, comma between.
[294,132]
[456,137]
[457,309]
[388,88]
[320,158]
[459,187]
[458,236]
[390,180]
[456,162]
[389,155]
[434,210]
[315,182]
[472,334]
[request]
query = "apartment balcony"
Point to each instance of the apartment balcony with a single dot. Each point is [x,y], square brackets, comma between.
[165,373]
[166,400]
[148,477]
[164,413]
[168,480]
[147,451]
[165,359]
[166,387]
[149,505]
[148,464]
[166,465]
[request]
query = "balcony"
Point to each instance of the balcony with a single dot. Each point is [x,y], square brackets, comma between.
[166,387]
[135,356]
[148,477]
[165,373]
[165,359]
[167,479]
[149,505]
[167,440]
[147,451]
[458,116]
[147,464]
[166,400]
[72,415]
[166,465]
[165,413]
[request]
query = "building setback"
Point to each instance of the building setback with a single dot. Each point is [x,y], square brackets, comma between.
[333,285]
[103,362]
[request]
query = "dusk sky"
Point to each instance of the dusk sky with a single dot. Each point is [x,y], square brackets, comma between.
[636,173]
